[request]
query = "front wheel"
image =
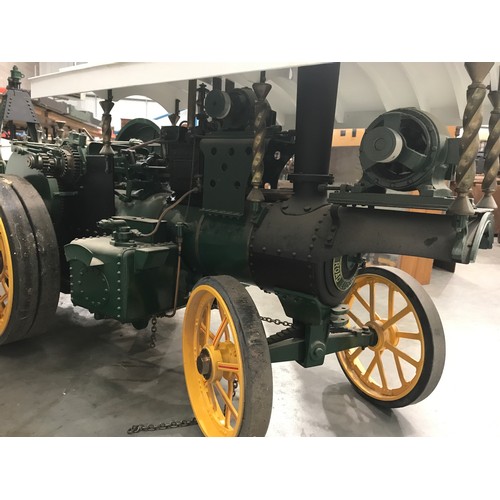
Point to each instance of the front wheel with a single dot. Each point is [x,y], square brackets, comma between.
[227,365]
[406,363]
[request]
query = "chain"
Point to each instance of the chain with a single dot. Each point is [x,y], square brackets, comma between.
[152,339]
[175,424]
[275,321]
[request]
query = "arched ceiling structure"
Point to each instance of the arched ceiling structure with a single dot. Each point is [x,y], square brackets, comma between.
[366,89]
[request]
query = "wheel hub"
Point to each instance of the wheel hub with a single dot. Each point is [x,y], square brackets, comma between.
[204,364]
[387,335]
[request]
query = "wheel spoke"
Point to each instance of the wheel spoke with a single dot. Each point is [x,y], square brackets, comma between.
[390,304]
[365,304]
[229,367]
[227,400]
[356,319]
[211,396]
[399,369]
[205,323]
[402,355]
[230,394]
[381,370]
[352,356]
[411,158]
[220,331]
[372,301]
[401,314]
[410,335]
[224,321]
[370,368]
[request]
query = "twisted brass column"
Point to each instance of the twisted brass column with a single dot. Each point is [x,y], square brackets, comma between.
[469,142]
[107,106]
[261,90]
[492,153]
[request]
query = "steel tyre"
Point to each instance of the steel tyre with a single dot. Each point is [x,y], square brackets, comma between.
[406,364]
[29,267]
[227,364]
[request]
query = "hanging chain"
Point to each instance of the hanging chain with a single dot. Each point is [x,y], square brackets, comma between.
[154,329]
[175,424]
[275,321]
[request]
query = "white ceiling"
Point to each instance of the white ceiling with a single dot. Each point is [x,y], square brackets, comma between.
[366,89]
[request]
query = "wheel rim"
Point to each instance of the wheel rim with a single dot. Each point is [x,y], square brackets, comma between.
[6,281]
[213,363]
[390,369]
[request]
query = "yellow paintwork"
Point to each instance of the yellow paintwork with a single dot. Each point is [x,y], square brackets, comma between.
[389,331]
[210,397]
[6,281]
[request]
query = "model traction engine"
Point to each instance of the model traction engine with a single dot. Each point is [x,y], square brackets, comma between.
[163,219]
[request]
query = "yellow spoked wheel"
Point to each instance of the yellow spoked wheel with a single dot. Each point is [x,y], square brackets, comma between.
[406,363]
[29,262]
[227,366]
[6,282]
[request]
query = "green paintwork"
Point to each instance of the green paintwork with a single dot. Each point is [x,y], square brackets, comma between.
[47,187]
[227,174]
[318,341]
[213,244]
[126,283]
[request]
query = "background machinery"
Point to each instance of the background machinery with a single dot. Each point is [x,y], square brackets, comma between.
[187,215]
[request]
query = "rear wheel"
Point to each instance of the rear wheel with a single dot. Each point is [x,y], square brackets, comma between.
[227,364]
[406,363]
[29,262]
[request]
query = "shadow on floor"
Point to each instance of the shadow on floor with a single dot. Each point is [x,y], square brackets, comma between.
[350,416]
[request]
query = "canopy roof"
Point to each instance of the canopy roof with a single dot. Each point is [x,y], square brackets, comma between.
[366,89]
